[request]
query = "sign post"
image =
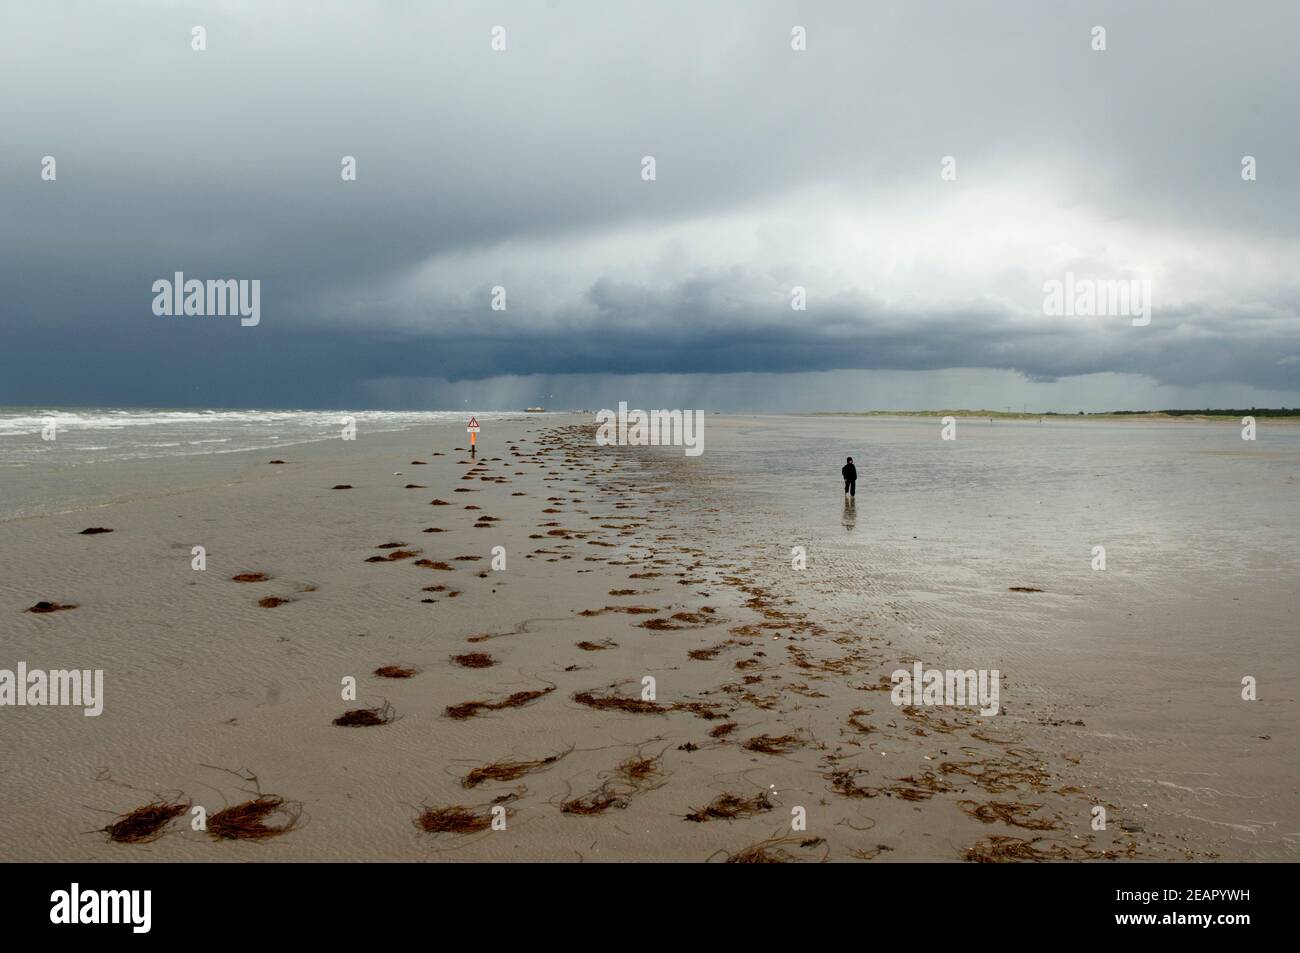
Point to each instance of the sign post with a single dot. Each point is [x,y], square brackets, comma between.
[472,429]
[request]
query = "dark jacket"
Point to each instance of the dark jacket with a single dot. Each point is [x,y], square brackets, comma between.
[850,473]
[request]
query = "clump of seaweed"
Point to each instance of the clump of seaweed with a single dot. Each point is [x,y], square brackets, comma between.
[43,606]
[145,823]
[626,610]
[860,726]
[395,671]
[772,744]
[721,731]
[772,851]
[1000,850]
[94,531]
[660,625]
[844,783]
[250,577]
[597,802]
[248,821]
[709,711]
[587,646]
[270,602]
[455,819]
[341,486]
[1013,813]
[474,660]
[508,770]
[637,706]
[729,806]
[869,853]
[632,776]
[517,700]
[998,777]
[366,717]
[638,770]
[923,788]
[394,556]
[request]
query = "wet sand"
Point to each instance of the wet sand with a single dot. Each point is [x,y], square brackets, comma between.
[522,686]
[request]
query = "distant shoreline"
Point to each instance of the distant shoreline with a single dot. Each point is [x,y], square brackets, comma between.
[1290,416]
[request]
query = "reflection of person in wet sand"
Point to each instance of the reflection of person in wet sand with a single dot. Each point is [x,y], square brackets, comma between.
[850,473]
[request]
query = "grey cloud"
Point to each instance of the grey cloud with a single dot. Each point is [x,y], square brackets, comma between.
[226,163]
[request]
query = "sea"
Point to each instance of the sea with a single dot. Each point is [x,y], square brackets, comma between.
[54,459]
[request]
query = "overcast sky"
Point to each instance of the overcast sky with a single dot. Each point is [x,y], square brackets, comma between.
[775,168]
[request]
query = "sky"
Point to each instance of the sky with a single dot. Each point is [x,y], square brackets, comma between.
[774,168]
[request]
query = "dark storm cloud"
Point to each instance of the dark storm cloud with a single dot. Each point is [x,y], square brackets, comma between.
[521,168]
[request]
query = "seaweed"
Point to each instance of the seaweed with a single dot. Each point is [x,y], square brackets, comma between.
[366,717]
[145,823]
[635,706]
[43,606]
[394,556]
[508,770]
[247,821]
[455,819]
[517,700]
[771,851]
[1000,850]
[730,806]
[1013,813]
[998,777]
[630,777]
[772,744]
[844,783]
[474,660]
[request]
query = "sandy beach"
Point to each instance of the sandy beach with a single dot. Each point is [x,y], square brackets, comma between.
[523,687]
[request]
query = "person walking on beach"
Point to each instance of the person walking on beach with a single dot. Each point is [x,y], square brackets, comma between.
[850,474]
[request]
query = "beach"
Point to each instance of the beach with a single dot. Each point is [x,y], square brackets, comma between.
[612,653]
